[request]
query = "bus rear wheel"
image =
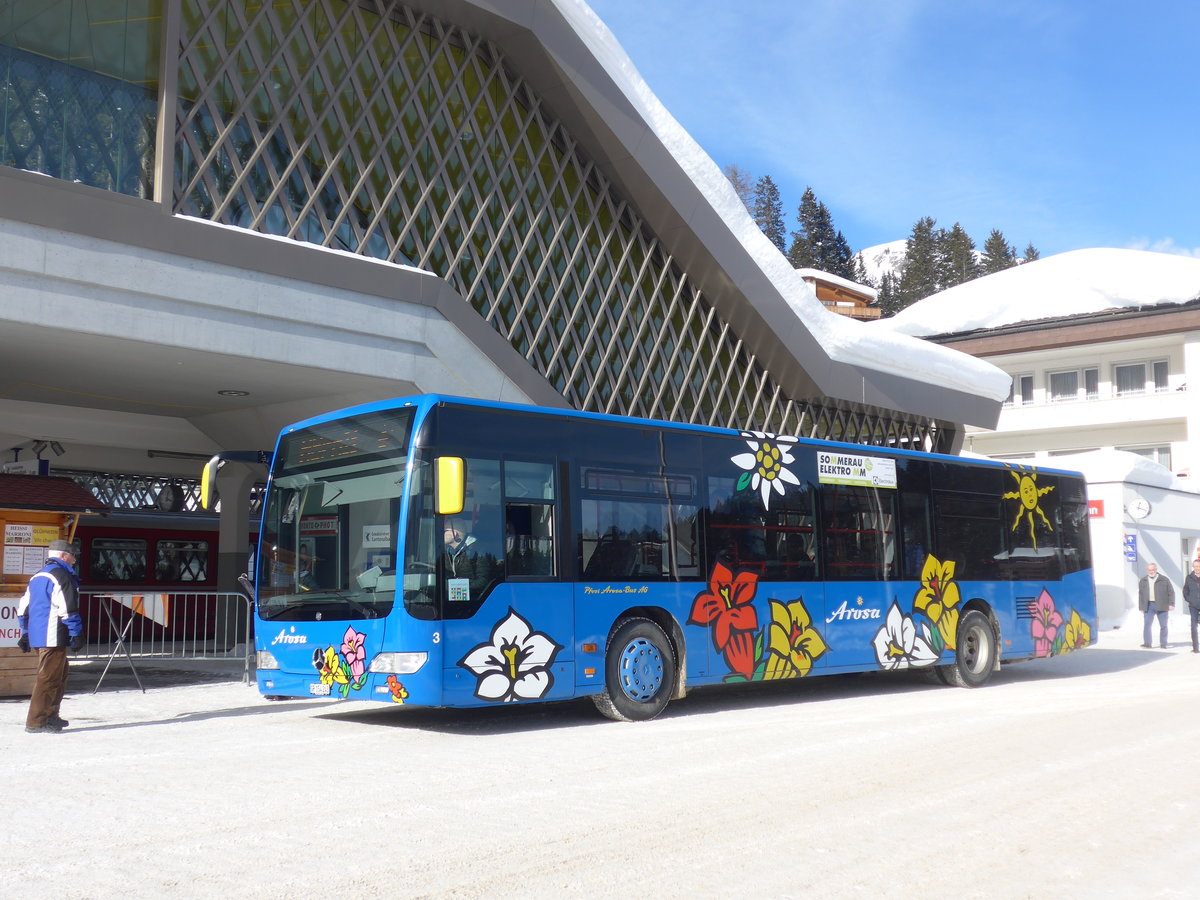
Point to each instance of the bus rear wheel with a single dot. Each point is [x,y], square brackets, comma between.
[975,657]
[639,672]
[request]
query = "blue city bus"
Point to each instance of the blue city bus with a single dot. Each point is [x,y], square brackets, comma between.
[445,552]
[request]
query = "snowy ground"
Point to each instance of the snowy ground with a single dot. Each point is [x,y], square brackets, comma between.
[1074,776]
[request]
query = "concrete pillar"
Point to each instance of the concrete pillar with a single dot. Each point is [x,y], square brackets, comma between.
[234,481]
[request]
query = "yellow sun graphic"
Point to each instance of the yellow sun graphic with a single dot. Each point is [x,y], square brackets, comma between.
[1028,493]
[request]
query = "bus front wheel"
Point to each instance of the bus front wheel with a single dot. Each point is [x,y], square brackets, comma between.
[975,657]
[639,672]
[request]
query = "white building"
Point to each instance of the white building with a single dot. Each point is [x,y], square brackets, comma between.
[1103,347]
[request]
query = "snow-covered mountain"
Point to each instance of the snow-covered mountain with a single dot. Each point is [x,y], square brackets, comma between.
[884,258]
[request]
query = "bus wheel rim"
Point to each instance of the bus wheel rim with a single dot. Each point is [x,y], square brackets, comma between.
[974,657]
[641,670]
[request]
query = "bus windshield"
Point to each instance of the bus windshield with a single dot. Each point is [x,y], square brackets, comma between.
[329,530]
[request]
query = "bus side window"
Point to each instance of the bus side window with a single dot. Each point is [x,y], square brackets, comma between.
[473,540]
[777,541]
[916,534]
[529,539]
[860,532]
[529,492]
[971,530]
[637,525]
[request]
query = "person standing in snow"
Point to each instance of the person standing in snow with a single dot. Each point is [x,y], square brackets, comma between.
[1191,593]
[48,614]
[1156,597]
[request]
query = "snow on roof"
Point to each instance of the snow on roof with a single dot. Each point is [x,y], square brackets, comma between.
[1067,284]
[846,340]
[838,281]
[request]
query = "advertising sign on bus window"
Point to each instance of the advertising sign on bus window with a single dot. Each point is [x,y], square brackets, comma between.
[853,468]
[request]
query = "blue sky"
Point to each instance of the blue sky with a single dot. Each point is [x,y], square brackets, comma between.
[1064,123]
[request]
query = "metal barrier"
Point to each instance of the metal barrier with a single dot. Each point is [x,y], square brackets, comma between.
[167,625]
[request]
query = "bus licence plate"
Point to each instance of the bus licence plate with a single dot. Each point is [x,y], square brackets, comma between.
[319,689]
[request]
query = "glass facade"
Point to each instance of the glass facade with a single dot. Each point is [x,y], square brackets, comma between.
[376,129]
[79,90]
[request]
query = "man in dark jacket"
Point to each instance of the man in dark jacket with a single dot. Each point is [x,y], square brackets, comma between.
[1191,593]
[48,614]
[1156,597]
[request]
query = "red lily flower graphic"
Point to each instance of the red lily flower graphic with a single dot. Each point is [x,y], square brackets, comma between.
[726,606]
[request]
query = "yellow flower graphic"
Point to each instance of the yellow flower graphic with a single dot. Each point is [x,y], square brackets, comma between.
[1078,633]
[332,669]
[792,642]
[939,598]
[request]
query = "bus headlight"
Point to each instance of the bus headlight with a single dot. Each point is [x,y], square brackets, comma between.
[265,659]
[398,663]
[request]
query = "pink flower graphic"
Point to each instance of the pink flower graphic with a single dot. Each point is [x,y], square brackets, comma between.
[1046,622]
[353,651]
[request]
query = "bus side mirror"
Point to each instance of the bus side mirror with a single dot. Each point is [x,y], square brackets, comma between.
[449,485]
[208,482]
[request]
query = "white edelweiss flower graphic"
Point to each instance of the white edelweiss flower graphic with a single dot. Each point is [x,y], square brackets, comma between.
[515,665]
[766,464]
[899,646]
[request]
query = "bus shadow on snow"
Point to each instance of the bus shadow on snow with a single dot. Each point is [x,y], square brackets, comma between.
[518,717]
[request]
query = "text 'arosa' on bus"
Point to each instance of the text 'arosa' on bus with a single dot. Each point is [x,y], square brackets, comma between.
[437,551]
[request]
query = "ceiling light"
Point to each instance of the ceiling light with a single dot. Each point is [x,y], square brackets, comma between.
[234,393]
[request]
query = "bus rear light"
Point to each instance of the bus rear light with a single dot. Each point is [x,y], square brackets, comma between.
[398,663]
[265,659]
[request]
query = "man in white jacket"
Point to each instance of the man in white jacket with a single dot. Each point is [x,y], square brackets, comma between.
[48,614]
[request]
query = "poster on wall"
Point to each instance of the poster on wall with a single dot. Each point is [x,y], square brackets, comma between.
[25,547]
[22,560]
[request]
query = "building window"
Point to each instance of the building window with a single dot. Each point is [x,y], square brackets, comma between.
[1065,386]
[1021,392]
[1135,379]
[79,91]
[1160,375]
[1160,455]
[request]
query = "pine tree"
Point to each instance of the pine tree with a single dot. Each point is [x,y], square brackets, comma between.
[919,279]
[860,272]
[816,244]
[768,210]
[886,298]
[956,257]
[841,258]
[997,254]
[801,253]
[743,183]
[1031,253]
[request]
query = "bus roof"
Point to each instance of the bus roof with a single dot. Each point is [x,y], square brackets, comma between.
[424,403]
